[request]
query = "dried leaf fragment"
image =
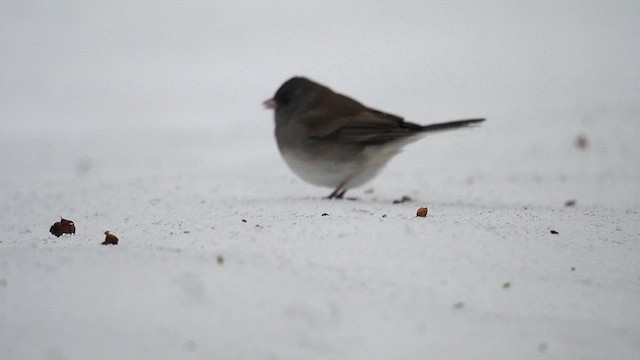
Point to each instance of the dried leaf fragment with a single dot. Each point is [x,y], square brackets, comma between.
[110,239]
[63,226]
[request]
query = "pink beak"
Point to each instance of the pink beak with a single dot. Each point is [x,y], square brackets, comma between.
[270,104]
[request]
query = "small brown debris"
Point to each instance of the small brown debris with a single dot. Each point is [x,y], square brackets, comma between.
[506,285]
[543,347]
[570,203]
[110,239]
[581,142]
[324,214]
[422,212]
[459,305]
[244,220]
[403,199]
[64,226]
[554,232]
[190,346]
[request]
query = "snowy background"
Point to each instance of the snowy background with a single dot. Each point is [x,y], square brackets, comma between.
[144,118]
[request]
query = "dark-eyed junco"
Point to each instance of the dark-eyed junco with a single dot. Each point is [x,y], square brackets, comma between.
[331,140]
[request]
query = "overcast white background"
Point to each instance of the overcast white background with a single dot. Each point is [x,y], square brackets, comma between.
[145,118]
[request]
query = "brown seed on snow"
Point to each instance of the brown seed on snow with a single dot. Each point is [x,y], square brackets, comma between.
[64,226]
[581,142]
[422,212]
[110,239]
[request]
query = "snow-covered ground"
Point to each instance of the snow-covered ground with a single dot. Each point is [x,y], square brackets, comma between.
[144,118]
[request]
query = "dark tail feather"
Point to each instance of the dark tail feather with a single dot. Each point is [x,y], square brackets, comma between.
[451,125]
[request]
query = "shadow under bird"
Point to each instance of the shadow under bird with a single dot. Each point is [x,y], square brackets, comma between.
[332,140]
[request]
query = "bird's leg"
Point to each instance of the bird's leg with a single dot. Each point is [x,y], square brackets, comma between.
[338,193]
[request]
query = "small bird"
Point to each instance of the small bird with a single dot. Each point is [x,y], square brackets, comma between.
[332,140]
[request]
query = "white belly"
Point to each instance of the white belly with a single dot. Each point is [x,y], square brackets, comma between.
[332,173]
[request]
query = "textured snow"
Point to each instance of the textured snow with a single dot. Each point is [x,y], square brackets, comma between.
[144,119]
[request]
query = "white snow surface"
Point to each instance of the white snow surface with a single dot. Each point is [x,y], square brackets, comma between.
[143,118]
